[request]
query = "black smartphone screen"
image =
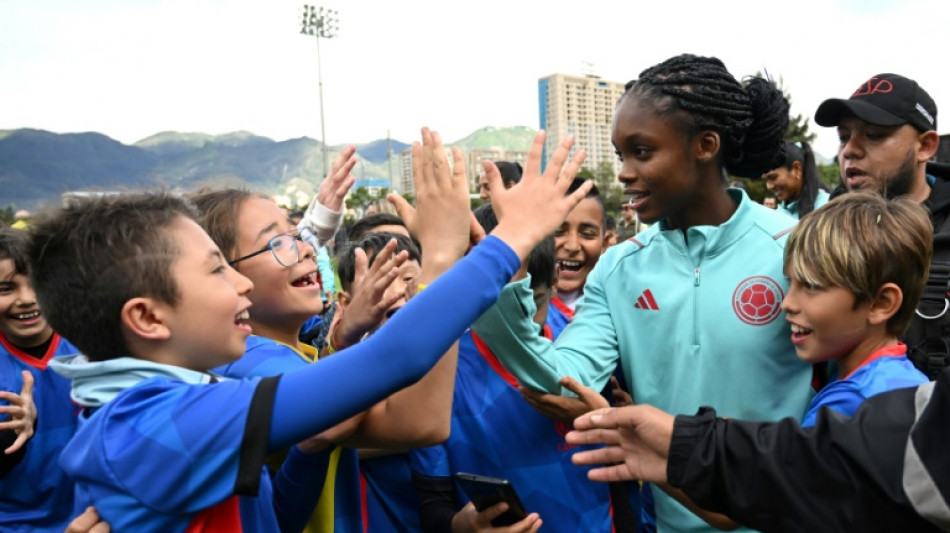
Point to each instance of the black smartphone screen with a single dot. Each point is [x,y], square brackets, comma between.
[486,491]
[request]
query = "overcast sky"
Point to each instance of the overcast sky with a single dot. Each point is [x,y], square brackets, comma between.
[132,68]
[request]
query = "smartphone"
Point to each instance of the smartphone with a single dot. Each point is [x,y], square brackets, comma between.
[486,491]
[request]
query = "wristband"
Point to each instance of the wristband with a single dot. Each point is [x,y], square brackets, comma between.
[330,348]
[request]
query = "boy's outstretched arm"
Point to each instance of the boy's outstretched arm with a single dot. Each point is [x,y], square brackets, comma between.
[401,352]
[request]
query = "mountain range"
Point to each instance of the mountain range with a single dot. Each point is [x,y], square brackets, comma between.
[37,167]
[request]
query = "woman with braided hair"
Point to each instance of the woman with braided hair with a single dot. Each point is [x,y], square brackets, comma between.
[691,308]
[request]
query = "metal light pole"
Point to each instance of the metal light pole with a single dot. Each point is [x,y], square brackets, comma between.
[320,22]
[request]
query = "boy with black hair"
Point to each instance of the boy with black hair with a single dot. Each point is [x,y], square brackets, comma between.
[389,502]
[35,494]
[163,445]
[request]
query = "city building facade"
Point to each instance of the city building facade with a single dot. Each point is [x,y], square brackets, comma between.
[582,106]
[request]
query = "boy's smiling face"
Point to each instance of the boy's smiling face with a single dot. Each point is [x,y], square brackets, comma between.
[825,322]
[208,325]
[21,320]
[578,244]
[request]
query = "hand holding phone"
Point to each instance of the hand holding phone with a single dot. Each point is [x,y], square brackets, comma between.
[486,491]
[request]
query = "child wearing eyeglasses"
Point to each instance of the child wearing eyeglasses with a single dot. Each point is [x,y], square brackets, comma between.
[164,444]
[265,246]
[262,244]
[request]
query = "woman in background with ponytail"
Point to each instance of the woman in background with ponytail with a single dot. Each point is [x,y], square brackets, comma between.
[796,182]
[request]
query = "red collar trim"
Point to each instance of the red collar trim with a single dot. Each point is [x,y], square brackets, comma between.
[29,359]
[493,361]
[562,307]
[888,351]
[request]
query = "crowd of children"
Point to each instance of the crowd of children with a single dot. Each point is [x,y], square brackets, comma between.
[177,363]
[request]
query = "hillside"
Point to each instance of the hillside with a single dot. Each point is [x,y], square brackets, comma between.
[517,138]
[37,167]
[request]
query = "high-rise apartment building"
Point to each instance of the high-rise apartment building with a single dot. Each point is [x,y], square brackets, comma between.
[582,106]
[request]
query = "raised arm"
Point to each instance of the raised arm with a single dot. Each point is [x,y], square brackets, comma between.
[447,307]
[421,414]
[325,212]
[586,350]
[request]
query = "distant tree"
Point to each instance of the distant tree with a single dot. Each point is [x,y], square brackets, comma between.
[830,174]
[798,125]
[359,199]
[606,181]
[409,197]
[6,216]
[362,198]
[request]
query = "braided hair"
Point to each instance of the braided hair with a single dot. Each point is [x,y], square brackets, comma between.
[750,117]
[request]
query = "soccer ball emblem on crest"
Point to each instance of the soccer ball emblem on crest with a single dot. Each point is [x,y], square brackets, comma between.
[757,300]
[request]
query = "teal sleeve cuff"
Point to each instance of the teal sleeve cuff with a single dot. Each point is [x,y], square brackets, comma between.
[509,330]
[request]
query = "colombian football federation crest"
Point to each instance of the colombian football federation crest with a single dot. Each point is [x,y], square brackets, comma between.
[757,300]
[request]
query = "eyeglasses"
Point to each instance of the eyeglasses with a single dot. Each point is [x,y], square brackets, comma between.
[284,247]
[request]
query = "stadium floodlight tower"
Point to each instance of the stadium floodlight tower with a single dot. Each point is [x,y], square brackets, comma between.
[320,23]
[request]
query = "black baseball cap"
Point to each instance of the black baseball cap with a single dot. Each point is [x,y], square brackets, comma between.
[884,100]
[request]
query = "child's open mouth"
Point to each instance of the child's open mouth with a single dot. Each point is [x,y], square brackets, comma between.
[799,334]
[27,319]
[308,280]
[569,266]
[240,320]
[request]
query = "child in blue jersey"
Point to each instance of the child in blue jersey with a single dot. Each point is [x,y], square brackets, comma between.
[164,445]
[857,269]
[797,182]
[35,494]
[389,502]
[691,308]
[285,297]
[495,432]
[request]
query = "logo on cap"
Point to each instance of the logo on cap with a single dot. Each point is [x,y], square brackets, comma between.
[882,86]
[924,112]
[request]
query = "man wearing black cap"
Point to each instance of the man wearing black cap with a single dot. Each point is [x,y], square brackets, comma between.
[888,133]
[887,130]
